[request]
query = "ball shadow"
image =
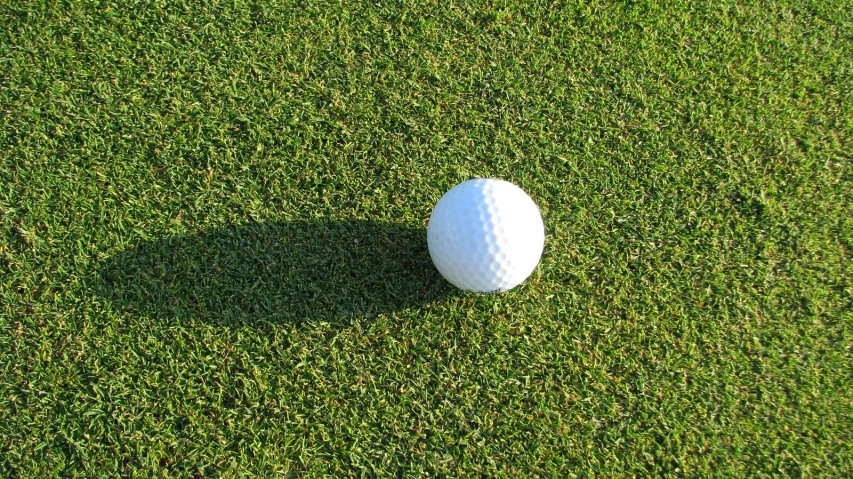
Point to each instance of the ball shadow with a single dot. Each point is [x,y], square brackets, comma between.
[275,272]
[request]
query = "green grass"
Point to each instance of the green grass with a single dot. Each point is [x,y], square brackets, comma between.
[212,258]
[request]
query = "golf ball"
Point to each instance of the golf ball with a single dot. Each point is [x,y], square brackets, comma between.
[485,235]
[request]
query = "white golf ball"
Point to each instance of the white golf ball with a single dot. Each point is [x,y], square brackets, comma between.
[485,235]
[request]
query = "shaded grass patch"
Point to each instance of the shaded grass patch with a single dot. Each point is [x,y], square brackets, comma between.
[273,272]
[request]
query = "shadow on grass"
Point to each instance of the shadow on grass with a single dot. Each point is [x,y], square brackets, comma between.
[276,272]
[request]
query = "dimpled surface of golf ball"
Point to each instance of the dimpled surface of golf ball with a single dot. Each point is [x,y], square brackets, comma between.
[485,235]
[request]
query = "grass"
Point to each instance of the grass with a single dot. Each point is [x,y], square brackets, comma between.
[212,255]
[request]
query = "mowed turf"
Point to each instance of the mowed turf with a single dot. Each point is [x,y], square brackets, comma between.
[213,256]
